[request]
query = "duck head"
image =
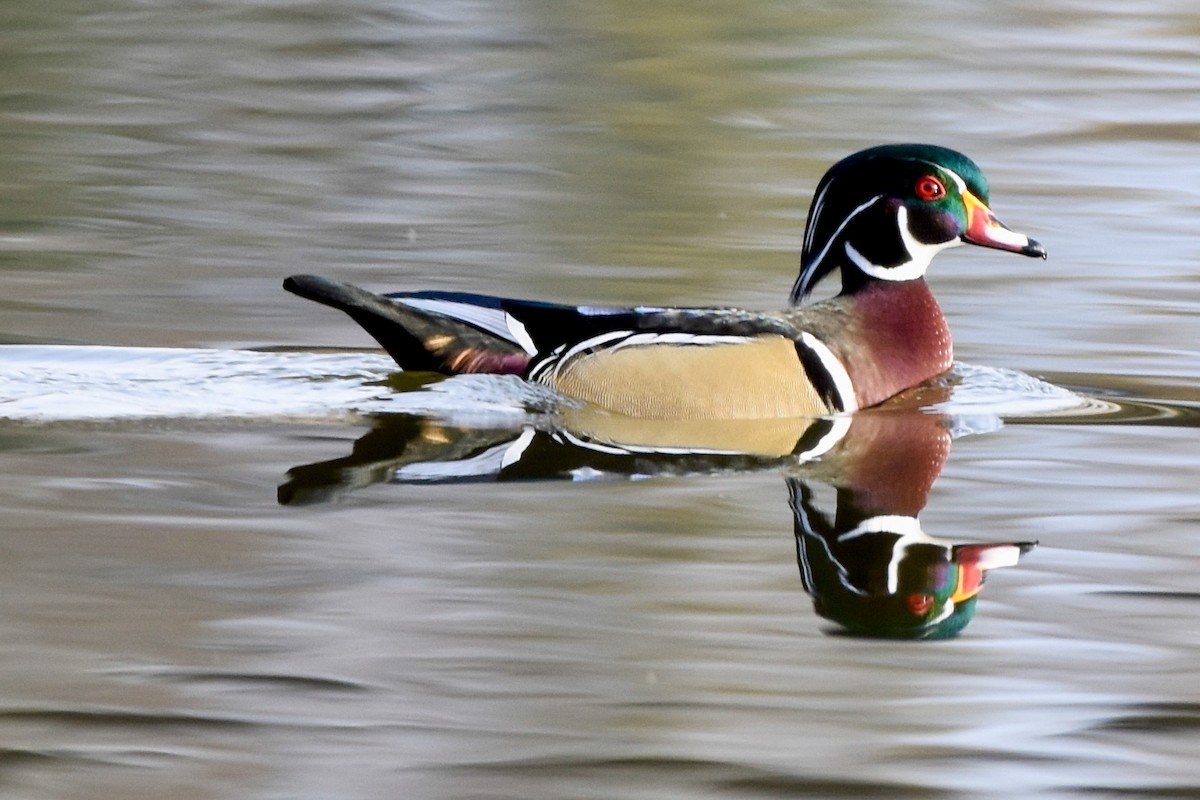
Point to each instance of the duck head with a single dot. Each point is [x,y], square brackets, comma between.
[883,213]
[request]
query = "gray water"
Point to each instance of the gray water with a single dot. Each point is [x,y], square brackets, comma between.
[172,629]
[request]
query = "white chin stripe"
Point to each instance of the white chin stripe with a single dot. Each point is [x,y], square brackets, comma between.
[909,531]
[920,254]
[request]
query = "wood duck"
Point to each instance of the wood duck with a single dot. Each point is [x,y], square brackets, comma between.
[878,217]
[866,561]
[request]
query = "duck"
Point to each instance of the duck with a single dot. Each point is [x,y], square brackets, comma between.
[877,219]
[864,556]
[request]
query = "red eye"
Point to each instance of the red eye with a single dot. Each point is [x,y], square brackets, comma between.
[919,604]
[930,188]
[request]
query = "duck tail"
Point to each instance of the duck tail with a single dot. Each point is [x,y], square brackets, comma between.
[444,332]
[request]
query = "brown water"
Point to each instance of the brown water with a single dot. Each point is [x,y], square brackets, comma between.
[171,629]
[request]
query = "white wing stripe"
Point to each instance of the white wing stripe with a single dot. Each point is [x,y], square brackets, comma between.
[495,321]
[558,360]
[630,449]
[594,342]
[643,339]
[617,340]
[520,334]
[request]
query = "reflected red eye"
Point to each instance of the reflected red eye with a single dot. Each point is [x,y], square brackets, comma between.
[930,188]
[919,604]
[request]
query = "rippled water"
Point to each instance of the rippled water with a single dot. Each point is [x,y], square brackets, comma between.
[49,383]
[229,570]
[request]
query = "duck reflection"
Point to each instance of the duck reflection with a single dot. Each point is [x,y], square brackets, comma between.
[864,558]
[856,486]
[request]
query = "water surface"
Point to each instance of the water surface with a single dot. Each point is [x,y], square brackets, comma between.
[171,628]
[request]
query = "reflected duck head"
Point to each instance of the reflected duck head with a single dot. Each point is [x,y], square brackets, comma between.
[886,578]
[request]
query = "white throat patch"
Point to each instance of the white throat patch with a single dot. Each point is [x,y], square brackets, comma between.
[920,254]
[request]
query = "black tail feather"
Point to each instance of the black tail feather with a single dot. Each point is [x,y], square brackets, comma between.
[417,340]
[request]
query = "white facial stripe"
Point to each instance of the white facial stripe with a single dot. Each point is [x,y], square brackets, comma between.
[920,254]
[829,243]
[958,181]
[815,215]
[842,226]
[910,532]
[909,270]
[837,373]
[909,529]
